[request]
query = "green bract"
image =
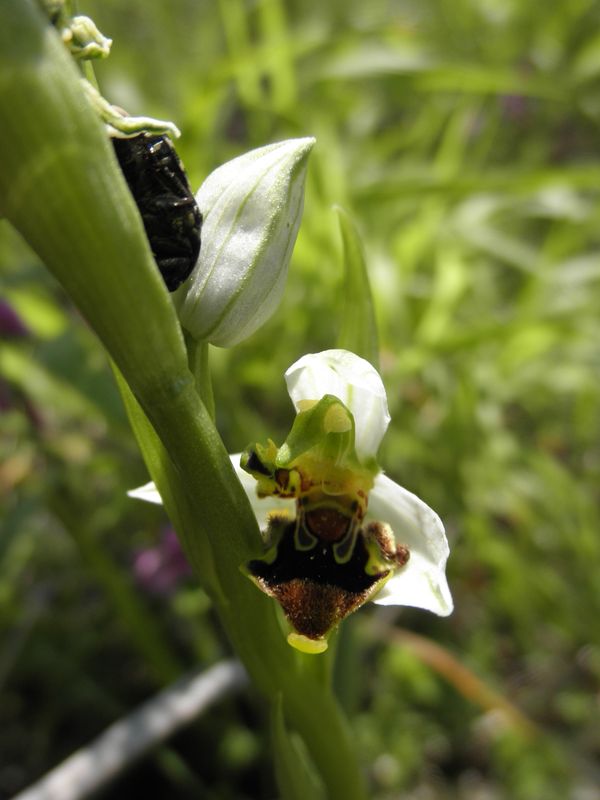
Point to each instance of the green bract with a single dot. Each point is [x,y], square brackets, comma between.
[252,207]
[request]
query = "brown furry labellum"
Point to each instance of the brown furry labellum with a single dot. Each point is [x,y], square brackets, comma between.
[322,566]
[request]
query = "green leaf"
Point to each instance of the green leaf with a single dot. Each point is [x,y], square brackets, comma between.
[358,329]
[170,486]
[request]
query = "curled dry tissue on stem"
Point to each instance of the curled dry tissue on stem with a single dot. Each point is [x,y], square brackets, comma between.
[337,531]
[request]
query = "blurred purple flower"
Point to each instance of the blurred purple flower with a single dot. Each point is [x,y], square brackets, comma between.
[11,324]
[515,107]
[159,570]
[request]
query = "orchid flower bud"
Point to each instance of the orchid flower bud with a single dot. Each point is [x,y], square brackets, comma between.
[252,208]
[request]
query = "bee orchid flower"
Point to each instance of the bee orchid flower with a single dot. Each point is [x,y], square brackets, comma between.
[337,531]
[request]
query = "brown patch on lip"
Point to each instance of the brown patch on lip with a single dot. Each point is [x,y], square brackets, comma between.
[327,524]
[314,589]
[314,609]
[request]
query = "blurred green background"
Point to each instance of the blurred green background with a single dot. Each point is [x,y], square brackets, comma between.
[462,136]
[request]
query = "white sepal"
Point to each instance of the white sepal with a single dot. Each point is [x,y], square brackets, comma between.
[262,506]
[148,492]
[351,379]
[422,582]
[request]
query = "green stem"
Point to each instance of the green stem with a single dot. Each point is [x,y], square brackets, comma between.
[198,359]
[61,187]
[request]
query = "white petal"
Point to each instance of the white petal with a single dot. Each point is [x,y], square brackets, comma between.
[147,492]
[351,379]
[262,506]
[422,582]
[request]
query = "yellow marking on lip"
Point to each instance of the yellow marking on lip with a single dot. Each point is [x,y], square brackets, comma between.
[306,645]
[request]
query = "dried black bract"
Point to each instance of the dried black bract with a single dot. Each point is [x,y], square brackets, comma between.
[161,190]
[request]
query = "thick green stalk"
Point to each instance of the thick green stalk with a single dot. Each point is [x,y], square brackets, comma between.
[198,358]
[61,188]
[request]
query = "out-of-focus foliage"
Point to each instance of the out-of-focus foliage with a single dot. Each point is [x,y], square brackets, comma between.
[462,137]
